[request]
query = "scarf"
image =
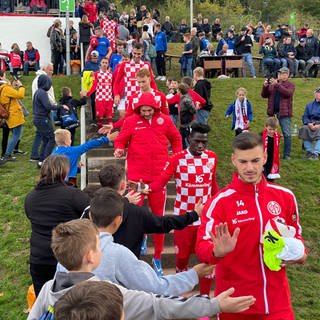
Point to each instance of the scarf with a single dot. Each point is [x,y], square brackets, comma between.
[274,174]
[241,115]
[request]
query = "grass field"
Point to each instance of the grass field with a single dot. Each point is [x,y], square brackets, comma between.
[302,176]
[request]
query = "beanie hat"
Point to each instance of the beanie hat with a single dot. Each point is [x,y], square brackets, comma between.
[146,99]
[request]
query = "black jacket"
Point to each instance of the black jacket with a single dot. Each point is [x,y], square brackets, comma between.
[243,46]
[47,206]
[203,88]
[139,220]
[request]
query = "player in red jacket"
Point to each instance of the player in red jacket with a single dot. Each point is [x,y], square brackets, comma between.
[144,81]
[146,134]
[91,10]
[237,216]
[127,71]
[194,170]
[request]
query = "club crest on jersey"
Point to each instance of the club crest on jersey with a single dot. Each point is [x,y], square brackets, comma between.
[160,121]
[274,208]
[210,164]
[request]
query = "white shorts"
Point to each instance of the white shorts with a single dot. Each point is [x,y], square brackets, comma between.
[122,104]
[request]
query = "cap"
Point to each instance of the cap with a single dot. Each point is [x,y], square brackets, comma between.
[94,53]
[317,90]
[146,99]
[302,40]
[284,70]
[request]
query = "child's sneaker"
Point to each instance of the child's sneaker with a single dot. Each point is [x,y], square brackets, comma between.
[157,266]
[143,250]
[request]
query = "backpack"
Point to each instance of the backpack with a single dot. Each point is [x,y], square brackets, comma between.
[152,53]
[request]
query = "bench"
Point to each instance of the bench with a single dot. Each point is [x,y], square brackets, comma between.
[169,58]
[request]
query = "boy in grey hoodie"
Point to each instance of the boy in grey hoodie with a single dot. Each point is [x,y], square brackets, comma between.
[120,265]
[76,245]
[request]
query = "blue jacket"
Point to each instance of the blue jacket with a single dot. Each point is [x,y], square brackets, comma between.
[231,109]
[91,66]
[311,112]
[161,41]
[220,45]
[114,60]
[73,153]
[41,106]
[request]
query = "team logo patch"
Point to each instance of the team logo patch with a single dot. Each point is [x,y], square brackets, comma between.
[160,121]
[274,208]
[210,165]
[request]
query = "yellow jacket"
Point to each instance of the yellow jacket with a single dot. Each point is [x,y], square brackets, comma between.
[9,99]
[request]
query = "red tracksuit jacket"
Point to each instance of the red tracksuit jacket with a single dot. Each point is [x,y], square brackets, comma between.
[250,207]
[147,144]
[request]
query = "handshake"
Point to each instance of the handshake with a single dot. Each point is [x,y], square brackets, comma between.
[138,186]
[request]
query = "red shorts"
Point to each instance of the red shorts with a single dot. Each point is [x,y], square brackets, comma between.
[185,241]
[278,316]
[104,109]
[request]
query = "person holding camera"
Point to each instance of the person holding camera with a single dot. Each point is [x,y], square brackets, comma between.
[271,62]
[243,44]
[310,131]
[280,95]
[10,94]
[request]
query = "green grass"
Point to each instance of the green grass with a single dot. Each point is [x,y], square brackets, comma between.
[17,179]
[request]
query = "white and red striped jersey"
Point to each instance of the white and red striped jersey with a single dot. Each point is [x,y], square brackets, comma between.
[110,29]
[102,84]
[195,178]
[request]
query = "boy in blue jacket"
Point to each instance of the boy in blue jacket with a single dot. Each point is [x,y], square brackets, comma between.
[64,148]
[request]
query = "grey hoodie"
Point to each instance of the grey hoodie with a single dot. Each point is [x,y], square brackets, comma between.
[41,106]
[119,265]
[35,87]
[138,305]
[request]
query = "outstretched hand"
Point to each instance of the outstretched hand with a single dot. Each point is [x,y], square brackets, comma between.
[133,196]
[204,269]
[112,136]
[199,207]
[105,129]
[233,305]
[223,242]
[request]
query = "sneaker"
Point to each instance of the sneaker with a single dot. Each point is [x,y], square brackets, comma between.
[3,160]
[143,250]
[10,158]
[157,267]
[39,164]
[163,78]
[158,78]
[20,152]
[314,156]
[286,158]
[309,155]
[34,159]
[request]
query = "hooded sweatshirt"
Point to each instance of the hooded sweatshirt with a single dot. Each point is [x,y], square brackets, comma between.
[35,87]
[138,305]
[41,105]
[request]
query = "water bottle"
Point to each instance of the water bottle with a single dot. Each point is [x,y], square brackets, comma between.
[295,130]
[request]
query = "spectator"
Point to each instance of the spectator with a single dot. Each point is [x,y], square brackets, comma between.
[271,63]
[103,46]
[186,58]
[304,57]
[124,17]
[148,21]
[313,43]
[90,9]
[267,34]
[231,40]
[302,33]
[10,94]
[103,6]
[241,112]
[6,6]
[206,28]
[50,203]
[280,95]
[38,6]
[168,28]
[16,58]
[221,42]
[123,33]
[310,131]
[57,48]
[85,32]
[243,44]
[31,59]
[156,15]
[289,53]
[91,299]
[74,47]
[116,57]
[46,70]
[259,30]
[132,21]
[234,237]
[183,28]
[271,145]
[195,43]
[41,108]
[161,49]
[204,42]
[216,28]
